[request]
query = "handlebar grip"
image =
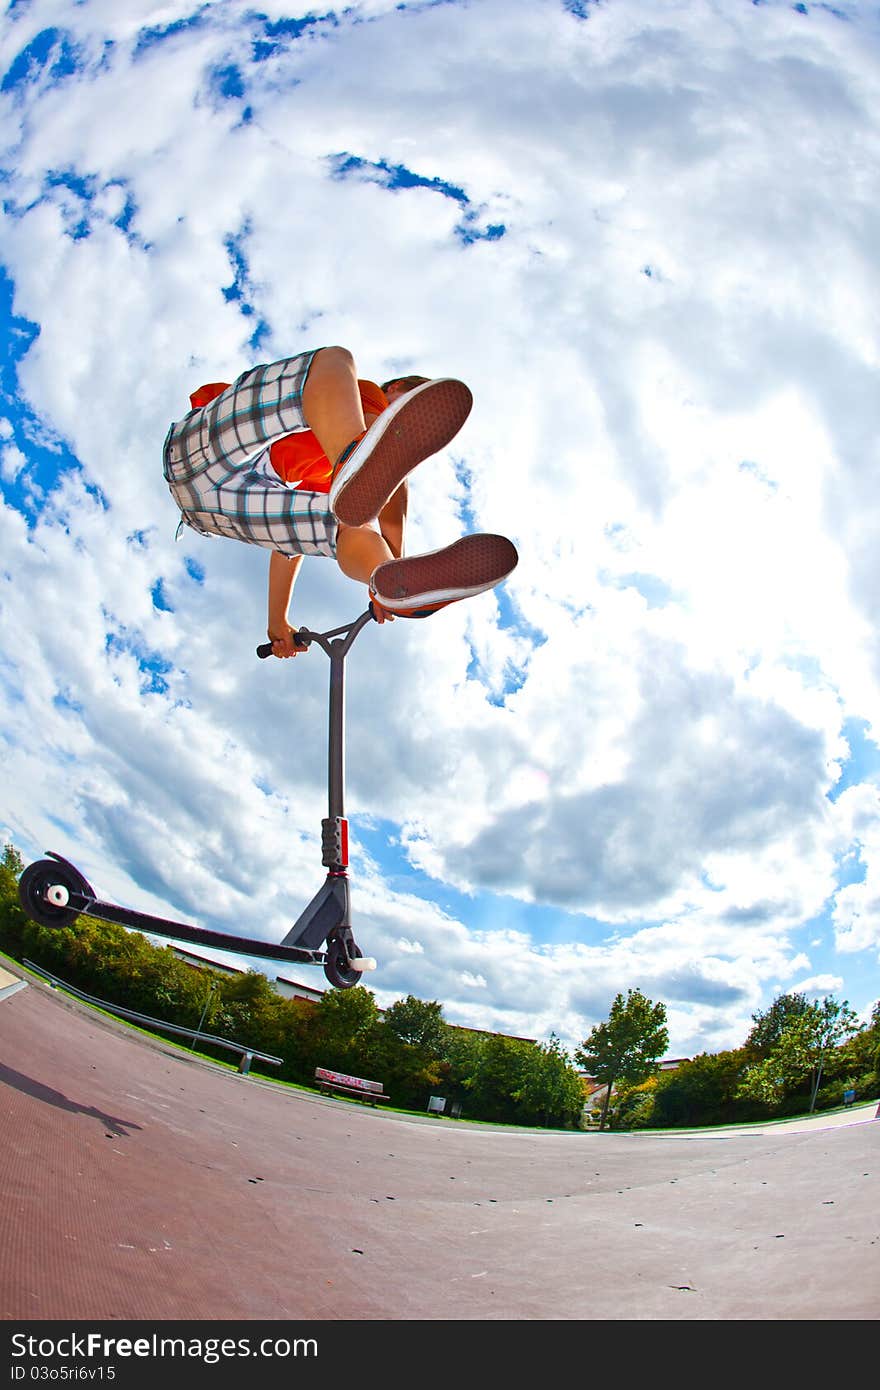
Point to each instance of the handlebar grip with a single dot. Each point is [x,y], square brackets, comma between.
[302,643]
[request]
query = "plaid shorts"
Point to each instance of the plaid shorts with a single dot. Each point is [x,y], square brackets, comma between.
[216,464]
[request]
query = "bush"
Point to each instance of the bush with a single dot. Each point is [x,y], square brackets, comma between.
[865,1085]
[634,1108]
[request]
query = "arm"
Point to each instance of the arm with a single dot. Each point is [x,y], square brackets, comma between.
[283,570]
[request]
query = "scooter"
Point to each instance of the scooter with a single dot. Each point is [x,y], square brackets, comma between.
[54,893]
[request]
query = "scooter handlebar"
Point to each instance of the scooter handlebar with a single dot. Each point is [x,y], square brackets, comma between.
[304,638]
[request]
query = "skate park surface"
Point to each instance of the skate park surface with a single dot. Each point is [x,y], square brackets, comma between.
[143,1183]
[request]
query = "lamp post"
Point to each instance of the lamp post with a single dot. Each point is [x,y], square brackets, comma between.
[212,990]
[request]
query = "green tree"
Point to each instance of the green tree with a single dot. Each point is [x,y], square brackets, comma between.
[499,1073]
[343,1032]
[550,1090]
[867,1045]
[243,1008]
[634,1105]
[418,1024]
[772,1023]
[700,1091]
[411,1043]
[12,861]
[12,919]
[801,1052]
[460,1062]
[628,1046]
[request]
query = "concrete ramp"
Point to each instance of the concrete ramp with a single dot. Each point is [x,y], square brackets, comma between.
[143,1184]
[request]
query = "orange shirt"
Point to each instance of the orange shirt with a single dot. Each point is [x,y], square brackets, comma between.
[298,458]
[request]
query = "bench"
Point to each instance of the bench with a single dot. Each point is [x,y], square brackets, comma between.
[350,1085]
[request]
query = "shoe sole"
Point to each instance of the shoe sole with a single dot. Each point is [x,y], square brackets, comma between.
[421,584]
[416,426]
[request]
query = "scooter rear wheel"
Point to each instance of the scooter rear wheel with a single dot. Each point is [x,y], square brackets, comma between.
[45,877]
[336,968]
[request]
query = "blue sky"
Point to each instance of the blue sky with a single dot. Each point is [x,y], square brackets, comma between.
[652,758]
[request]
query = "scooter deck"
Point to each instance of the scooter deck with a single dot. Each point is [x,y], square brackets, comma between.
[198,936]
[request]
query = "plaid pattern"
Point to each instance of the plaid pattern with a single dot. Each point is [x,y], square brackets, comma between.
[217,467]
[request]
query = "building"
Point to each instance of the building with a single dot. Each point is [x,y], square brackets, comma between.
[288,989]
[192,958]
[595,1091]
[292,989]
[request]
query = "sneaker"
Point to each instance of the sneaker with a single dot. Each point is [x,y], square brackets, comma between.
[420,585]
[417,425]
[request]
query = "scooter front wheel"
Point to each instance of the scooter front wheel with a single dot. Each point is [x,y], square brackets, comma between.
[44,891]
[336,966]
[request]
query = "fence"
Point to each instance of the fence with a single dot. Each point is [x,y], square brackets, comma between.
[247,1053]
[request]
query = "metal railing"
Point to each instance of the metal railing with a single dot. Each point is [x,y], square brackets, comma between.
[247,1053]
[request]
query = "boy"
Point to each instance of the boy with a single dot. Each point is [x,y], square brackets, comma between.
[232,466]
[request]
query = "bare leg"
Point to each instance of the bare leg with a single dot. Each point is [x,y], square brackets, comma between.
[331,400]
[359,549]
[392,519]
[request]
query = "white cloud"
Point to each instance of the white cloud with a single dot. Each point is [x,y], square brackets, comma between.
[12,462]
[673,351]
[818,986]
[856,914]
